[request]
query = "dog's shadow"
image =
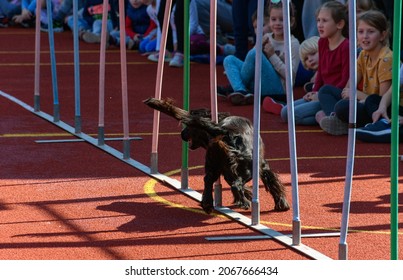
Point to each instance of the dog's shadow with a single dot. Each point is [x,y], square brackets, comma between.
[147,216]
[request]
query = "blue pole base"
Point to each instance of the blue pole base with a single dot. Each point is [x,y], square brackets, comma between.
[101,136]
[154,163]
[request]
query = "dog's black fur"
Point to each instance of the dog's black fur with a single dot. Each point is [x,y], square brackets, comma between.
[228,145]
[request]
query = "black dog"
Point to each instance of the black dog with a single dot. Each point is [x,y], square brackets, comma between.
[228,145]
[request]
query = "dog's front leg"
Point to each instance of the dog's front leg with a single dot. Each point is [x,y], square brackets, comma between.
[207,202]
[212,171]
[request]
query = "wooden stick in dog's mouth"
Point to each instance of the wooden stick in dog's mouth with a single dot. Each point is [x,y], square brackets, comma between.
[166,106]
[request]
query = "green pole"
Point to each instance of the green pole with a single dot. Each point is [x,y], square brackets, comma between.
[186,74]
[394,203]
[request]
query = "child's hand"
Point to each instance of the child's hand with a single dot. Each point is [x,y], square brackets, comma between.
[345,94]
[311,96]
[137,38]
[380,113]
[25,15]
[268,49]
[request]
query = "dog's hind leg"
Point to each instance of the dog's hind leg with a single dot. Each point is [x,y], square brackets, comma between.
[274,186]
[242,195]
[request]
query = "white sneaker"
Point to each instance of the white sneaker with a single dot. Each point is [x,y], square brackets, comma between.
[154,57]
[92,38]
[177,60]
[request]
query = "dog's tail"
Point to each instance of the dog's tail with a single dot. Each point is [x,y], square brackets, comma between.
[275,187]
[167,106]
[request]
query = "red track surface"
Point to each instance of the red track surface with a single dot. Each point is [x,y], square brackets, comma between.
[73,201]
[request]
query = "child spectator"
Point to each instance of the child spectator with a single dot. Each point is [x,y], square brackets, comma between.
[55,7]
[374,65]
[241,73]
[137,25]
[149,42]
[304,108]
[333,49]
[91,21]
[380,130]
[224,18]
[175,38]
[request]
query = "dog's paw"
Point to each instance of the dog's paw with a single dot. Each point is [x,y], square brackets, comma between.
[207,205]
[282,205]
[208,208]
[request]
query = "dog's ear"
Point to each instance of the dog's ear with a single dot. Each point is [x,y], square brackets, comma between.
[167,106]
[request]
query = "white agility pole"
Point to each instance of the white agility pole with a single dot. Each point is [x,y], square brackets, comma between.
[256,116]
[158,86]
[213,87]
[343,249]
[123,69]
[296,222]
[101,108]
[37,106]
[77,120]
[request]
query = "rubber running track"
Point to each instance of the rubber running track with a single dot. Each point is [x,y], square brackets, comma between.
[70,200]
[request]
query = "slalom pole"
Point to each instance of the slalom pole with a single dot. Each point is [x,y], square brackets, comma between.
[37,106]
[213,87]
[296,223]
[56,105]
[343,249]
[213,59]
[256,115]
[158,86]
[123,70]
[394,178]
[77,121]
[101,108]
[186,74]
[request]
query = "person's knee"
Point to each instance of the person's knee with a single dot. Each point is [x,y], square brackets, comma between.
[228,60]
[284,114]
[342,111]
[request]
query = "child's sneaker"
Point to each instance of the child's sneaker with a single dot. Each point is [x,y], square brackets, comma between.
[333,125]
[224,91]
[240,97]
[57,27]
[249,99]
[92,38]
[177,60]
[154,57]
[377,132]
[4,21]
[271,106]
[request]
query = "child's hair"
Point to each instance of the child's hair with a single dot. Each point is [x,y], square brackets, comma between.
[279,5]
[266,15]
[377,20]
[308,46]
[365,5]
[339,12]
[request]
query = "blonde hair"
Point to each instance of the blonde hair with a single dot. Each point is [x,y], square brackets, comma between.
[307,47]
